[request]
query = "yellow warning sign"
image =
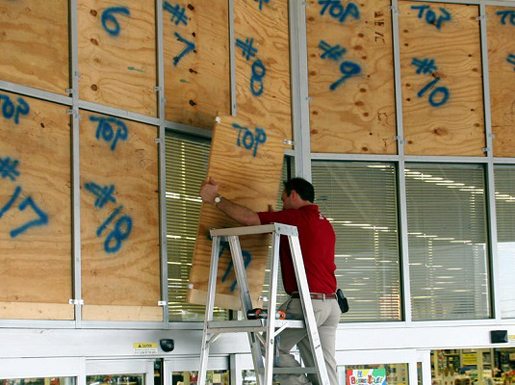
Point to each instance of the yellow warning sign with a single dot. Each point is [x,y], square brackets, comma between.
[145,347]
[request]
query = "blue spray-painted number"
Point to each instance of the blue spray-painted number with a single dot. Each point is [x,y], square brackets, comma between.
[247,257]
[258,73]
[9,110]
[190,46]
[248,139]
[109,21]
[122,230]
[426,66]
[440,92]
[178,13]
[106,132]
[438,96]
[103,194]
[339,11]
[505,14]
[27,202]
[430,15]
[247,49]
[261,3]
[348,69]
[333,52]
[8,168]
[42,220]
[511,59]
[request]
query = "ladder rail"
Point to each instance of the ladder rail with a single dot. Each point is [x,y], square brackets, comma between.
[246,303]
[210,304]
[307,306]
[272,302]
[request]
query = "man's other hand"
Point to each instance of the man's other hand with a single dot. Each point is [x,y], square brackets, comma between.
[209,191]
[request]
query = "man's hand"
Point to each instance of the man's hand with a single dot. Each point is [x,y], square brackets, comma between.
[209,191]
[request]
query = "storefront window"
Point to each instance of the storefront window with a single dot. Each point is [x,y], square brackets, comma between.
[116,379]
[213,377]
[384,374]
[473,366]
[447,240]
[40,381]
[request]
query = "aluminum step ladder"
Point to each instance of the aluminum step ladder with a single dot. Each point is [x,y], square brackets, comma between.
[263,366]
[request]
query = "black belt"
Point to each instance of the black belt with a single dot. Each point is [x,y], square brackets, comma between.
[322,296]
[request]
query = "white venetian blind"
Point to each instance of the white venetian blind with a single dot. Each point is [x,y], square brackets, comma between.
[360,201]
[505,209]
[447,234]
[186,167]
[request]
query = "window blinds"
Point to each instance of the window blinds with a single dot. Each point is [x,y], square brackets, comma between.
[447,236]
[360,201]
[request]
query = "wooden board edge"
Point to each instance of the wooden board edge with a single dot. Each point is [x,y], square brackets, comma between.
[122,313]
[36,311]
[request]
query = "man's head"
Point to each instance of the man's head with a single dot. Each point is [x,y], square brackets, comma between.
[297,192]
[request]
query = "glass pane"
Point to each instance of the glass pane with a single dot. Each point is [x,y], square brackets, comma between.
[360,201]
[382,374]
[505,209]
[473,366]
[447,235]
[213,377]
[116,379]
[40,381]
[186,167]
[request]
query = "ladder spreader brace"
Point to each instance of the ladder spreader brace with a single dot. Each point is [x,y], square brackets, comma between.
[264,368]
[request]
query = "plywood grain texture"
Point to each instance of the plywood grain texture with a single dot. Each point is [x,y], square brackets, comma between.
[35,207]
[263,63]
[501,64]
[117,54]
[196,58]
[351,77]
[252,181]
[441,62]
[123,313]
[119,213]
[34,41]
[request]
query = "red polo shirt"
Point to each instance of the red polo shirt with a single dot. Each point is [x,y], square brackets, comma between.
[317,242]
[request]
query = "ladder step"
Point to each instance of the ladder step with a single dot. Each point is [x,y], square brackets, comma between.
[295,370]
[247,326]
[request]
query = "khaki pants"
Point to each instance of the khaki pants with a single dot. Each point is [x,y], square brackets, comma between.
[327,315]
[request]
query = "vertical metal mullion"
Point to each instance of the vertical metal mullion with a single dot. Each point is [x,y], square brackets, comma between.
[232,57]
[490,184]
[162,159]
[299,88]
[74,73]
[401,177]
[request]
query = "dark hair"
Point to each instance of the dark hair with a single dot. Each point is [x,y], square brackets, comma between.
[302,187]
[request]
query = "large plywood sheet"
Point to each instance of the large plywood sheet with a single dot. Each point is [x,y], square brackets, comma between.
[263,63]
[119,216]
[442,97]
[351,77]
[501,64]
[196,61]
[117,54]
[34,41]
[35,209]
[247,163]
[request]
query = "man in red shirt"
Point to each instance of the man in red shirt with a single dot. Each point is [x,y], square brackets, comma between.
[317,242]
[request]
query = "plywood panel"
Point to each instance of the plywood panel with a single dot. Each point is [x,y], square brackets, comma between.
[119,212]
[35,204]
[196,58]
[34,40]
[441,79]
[123,313]
[501,61]
[248,168]
[36,311]
[117,54]
[351,83]
[263,63]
